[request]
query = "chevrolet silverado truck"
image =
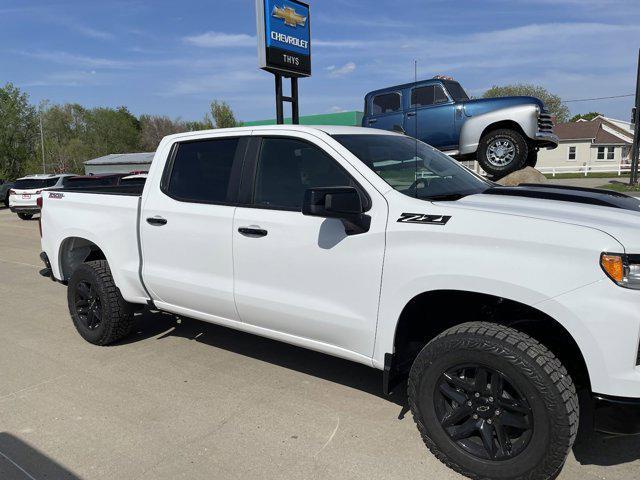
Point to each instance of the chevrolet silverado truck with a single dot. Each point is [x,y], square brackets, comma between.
[494,305]
[502,134]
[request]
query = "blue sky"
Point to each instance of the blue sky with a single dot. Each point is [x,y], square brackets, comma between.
[173,58]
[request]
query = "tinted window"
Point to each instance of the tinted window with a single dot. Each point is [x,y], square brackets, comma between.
[412,167]
[89,182]
[287,167]
[428,95]
[29,184]
[388,102]
[456,91]
[201,170]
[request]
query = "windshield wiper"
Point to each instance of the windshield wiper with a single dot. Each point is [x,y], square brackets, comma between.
[447,196]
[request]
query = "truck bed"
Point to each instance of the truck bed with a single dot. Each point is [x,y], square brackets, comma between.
[107,216]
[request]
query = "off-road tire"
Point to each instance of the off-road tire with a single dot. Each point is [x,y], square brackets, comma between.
[25,216]
[521,152]
[117,314]
[548,387]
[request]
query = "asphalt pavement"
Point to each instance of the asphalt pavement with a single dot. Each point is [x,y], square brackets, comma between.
[194,401]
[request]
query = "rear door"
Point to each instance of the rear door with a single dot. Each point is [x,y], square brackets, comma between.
[385,111]
[303,276]
[186,227]
[431,117]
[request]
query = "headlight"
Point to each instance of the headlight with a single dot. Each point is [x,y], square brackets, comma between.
[622,269]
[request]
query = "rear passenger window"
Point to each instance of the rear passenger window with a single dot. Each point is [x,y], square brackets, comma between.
[428,95]
[386,103]
[288,167]
[201,170]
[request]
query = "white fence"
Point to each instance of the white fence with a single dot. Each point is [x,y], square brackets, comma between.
[586,169]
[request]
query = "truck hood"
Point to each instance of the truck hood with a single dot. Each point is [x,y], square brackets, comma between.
[611,212]
[484,105]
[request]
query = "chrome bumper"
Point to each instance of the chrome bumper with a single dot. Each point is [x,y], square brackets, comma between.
[547,139]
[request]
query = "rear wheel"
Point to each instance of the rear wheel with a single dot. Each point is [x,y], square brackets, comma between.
[97,308]
[491,402]
[25,216]
[502,152]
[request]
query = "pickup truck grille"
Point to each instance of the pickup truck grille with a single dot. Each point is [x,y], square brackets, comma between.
[545,122]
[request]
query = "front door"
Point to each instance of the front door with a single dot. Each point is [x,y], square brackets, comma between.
[303,276]
[186,229]
[431,117]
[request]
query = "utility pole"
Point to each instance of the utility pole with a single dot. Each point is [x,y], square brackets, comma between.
[633,178]
[44,170]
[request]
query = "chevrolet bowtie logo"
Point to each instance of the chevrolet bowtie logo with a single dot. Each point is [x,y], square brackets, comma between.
[290,16]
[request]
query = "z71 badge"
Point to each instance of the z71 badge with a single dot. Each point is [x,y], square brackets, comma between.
[424,219]
[56,195]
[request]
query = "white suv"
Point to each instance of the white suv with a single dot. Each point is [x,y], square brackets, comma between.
[23,196]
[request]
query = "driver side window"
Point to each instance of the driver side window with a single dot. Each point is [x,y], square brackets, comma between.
[287,167]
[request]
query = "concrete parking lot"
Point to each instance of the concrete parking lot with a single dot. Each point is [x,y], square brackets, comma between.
[192,400]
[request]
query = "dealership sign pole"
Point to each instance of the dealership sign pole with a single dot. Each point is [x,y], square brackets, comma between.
[633,178]
[284,47]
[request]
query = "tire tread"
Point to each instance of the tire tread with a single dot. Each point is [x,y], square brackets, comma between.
[543,357]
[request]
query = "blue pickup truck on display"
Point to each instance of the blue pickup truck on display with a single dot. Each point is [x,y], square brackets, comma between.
[503,134]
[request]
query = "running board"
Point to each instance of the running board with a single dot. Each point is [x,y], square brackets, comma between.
[452,153]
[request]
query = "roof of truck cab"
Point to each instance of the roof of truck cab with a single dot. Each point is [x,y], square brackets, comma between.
[328,129]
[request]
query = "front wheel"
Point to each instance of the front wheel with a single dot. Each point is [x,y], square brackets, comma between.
[97,308]
[492,402]
[502,152]
[25,216]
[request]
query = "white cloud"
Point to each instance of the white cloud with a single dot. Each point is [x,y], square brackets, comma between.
[220,39]
[345,69]
[336,109]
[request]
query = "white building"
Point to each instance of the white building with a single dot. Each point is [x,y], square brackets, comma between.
[601,141]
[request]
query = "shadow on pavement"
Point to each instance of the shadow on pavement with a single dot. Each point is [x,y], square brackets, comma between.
[354,375]
[21,461]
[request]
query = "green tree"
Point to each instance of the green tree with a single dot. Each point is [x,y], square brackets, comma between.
[18,131]
[222,115]
[552,102]
[111,130]
[585,116]
[65,130]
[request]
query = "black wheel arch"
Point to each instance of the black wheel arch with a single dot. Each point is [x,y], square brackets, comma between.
[75,251]
[429,314]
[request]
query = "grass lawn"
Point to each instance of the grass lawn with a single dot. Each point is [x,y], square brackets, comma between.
[621,187]
[589,175]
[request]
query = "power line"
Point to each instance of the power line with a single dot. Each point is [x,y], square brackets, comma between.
[598,98]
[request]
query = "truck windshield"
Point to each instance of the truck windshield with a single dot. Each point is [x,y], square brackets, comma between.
[414,168]
[456,91]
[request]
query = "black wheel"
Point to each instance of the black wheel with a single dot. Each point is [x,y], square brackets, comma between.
[99,312]
[25,216]
[502,152]
[492,402]
[6,200]
[532,158]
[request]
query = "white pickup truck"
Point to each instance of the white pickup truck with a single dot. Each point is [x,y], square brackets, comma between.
[498,304]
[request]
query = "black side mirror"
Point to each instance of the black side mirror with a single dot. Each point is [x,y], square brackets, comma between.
[337,202]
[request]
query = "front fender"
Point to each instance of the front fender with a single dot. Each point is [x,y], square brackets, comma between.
[526,116]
